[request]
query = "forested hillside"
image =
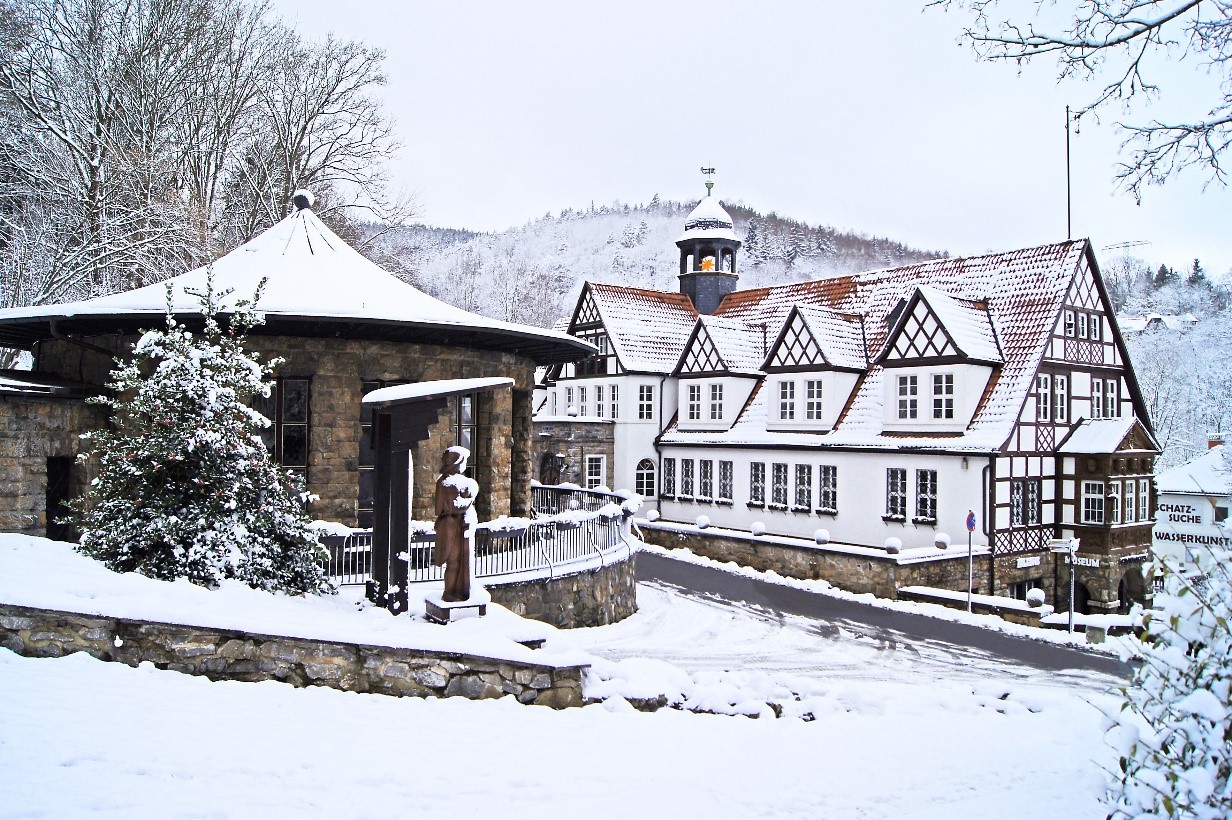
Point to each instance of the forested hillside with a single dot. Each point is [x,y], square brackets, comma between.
[533,273]
[1184,365]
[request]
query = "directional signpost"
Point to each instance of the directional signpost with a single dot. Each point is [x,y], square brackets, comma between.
[1069,548]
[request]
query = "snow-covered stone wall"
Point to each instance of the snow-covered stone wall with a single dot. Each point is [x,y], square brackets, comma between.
[221,654]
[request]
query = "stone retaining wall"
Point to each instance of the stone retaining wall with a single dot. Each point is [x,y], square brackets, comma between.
[882,575]
[593,598]
[222,654]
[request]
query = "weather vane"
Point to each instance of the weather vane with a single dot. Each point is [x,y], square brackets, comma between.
[709,172]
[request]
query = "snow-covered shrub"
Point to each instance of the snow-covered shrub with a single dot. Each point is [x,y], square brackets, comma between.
[1174,732]
[942,540]
[703,521]
[821,535]
[893,545]
[652,515]
[758,528]
[185,487]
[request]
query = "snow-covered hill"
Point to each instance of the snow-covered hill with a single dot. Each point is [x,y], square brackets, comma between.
[533,273]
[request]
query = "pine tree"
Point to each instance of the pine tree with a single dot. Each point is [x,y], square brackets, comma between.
[185,487]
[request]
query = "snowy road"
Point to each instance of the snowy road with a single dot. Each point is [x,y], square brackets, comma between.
[704,619]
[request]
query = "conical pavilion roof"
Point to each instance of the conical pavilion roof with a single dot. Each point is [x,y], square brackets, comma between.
[316,285]
[709,220]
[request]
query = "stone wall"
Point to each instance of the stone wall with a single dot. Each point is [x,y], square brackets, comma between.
[336,369]
[221,654]
[574,439]
[593,598]
[32,430]
[882,575]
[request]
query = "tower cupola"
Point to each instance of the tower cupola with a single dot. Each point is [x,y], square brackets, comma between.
[708,249]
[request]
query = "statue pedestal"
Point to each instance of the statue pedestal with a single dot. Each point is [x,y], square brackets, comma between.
[444,612]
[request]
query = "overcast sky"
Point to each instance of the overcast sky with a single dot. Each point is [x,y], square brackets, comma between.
[863,116]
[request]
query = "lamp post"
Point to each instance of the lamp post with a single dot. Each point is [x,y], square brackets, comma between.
[1067,547]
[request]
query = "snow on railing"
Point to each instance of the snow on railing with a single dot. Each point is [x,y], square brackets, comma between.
[571,528]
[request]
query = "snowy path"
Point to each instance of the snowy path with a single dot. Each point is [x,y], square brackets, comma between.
[701,633]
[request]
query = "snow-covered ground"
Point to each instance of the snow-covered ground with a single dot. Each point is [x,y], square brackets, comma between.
[896,732]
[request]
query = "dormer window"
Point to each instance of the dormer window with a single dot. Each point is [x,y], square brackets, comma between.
[943,395]
[812,399]
[716,402]
[787,400]
[908,397]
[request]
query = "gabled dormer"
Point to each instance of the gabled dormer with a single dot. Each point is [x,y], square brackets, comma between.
[717,372]
[938,357]
[812,368]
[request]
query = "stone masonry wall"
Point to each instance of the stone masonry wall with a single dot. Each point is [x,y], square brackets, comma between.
[220,654]
[880,575]
[575,440]
[337,368]
[32,430]
[594,598]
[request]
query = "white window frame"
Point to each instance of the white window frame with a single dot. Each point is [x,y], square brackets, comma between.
[716,401]
[787,400]
[644,478]
[686,478]
[694,402]
[812,399]
[1069,324]
[596,472]
[668,486]
[1097,398]
[582,401]
[1093,493]
[645,402]
[908,397]
[614,395]
[1060,392]
[1043,397]
[1112,398]
[1144,499]
[943,396]
[1112,506]
[1129,503]
[600,406]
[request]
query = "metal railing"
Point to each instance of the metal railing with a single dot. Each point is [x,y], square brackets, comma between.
[571,526]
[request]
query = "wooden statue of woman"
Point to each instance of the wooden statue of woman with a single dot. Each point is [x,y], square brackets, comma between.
[455,520]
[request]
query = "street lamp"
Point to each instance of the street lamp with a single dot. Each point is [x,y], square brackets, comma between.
[1069,547]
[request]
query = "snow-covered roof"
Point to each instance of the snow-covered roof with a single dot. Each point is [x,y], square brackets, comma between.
[312,277]
[647,328]
[1138,324]
[709,220]
[26,383]
[1208,474]
[1093,436]
[441,388]
[840,336]
[741,346]
[966,321]
[1021,291]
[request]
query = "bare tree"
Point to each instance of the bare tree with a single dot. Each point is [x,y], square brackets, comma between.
[1122,41]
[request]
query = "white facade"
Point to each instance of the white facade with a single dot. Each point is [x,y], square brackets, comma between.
[1193,511]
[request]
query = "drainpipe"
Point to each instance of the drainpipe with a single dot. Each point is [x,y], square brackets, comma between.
[658,450]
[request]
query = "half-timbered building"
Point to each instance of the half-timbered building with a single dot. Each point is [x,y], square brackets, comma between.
[884,407]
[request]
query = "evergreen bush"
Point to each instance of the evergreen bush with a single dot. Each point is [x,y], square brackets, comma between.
[185,487]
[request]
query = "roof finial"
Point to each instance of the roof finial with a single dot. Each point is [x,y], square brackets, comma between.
[302,199]
[709,172]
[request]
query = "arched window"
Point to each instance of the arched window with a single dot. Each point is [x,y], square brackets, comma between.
[644,478]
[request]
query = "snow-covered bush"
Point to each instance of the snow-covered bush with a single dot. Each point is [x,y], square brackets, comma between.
[758,528]
[1174,733]
[185,487]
